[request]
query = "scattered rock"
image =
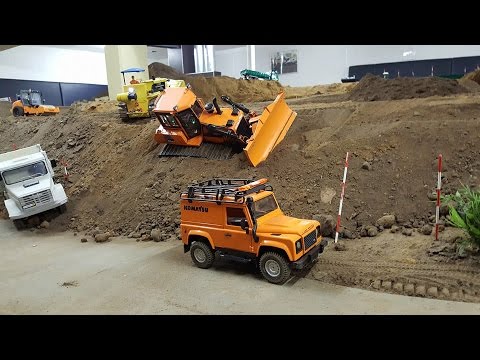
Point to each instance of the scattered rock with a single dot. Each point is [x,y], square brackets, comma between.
[83,240]
[387,221]
[104,126]
[78,148]
[426,230]
[445,292]
[416,113]
[372,231]
[432,196]
[339,246]
[444,210]
[326,195]
[327,223]
[363,232]
[136,235]
[420,290]
[347,234]
[44,224]
[398,287]
[71,143]
[376,284]
[432,291]
[452,235]
[394,229]
[366,166]
[386,284]
[409,289]
[156,235]
[407,232]
[103,237]
[146,237]
[309,201]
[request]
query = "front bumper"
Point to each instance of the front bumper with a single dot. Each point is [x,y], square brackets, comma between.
[310,256]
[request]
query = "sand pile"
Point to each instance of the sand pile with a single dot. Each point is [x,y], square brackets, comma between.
[207,87]
[474,76]
[337,88]
[374,88]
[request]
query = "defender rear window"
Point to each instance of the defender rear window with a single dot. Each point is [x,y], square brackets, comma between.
[24,173]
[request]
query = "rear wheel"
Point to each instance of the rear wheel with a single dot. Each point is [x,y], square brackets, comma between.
[62,208]
[17,111]
[19,224]
[202,255]
[274,268]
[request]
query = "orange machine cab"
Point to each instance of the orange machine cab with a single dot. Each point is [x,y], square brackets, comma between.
[241,218]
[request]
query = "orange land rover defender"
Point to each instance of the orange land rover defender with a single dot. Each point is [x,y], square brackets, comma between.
[241,218]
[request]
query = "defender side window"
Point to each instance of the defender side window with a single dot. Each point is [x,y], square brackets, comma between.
[235,216]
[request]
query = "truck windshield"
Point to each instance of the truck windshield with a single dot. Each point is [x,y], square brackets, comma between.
[24,173]
[264,206]
[36,99]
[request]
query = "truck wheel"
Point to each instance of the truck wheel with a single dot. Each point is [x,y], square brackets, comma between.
[62,209]
[274,268]
[17,111]
[19,224]
[202,255]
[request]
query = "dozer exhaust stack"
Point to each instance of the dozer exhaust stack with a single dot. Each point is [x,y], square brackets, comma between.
[271,128]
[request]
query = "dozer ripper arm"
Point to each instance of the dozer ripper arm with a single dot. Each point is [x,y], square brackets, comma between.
[242,107]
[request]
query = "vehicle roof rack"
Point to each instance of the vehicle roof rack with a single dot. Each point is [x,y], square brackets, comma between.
[217,189]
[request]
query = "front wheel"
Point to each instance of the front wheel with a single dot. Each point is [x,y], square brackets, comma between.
[202,255]
[19,224]
[62,209]
[274,268]
[17,111]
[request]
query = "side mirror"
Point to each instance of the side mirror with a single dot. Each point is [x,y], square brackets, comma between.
[244,224]
[43,101]
[53,163]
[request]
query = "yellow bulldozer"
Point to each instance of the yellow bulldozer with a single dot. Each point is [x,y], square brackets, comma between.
[138,97]
[188,127]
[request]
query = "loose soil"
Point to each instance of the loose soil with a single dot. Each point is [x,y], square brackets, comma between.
[119,184]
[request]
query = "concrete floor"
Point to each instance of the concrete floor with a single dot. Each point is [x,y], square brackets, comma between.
[128,277]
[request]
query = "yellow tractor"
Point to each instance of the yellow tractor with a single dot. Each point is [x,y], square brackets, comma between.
[138,97]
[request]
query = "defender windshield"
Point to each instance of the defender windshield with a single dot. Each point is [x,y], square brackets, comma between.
[167,120]
[264,206]
[24,173]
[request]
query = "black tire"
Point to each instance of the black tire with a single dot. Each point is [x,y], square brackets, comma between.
[62,209]
[19,224]
[274,268]
[17,111]
[202,255]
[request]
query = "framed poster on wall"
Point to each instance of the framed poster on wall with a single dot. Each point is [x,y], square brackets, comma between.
[284,62]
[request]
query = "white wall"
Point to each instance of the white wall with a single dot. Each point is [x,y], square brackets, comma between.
[156,54]
[325,64]
[83,64]
[231,61]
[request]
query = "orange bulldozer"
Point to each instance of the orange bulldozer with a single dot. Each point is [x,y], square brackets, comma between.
[189,127]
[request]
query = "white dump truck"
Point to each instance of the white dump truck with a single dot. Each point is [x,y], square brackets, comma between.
[26,179]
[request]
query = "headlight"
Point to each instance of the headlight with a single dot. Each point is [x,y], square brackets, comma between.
[298,246]
[131,90]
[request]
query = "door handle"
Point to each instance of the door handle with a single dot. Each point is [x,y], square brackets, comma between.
[228,235]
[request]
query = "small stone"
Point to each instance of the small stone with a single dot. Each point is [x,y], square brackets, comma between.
[156,235]
[363,232]
[445,292]
[426,230]
[432,291]
[44,224]
[100,238]
[398,287]
[416,113]
[386,284]
[376,284]
[83,240]
[146,237]
[432,196]
[372,231]
[340,246]
[309,201]
[444,210]
[394,229]
[366,166]
[420,290]
[104,126]
[407,232]
[136,235]
[157,196]
[387,221]
[347,234]
[409,289]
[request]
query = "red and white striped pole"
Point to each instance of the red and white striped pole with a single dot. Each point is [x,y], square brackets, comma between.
[439,187]
[341,198]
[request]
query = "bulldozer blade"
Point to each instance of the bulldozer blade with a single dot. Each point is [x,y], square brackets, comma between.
[206,150]
[270,130]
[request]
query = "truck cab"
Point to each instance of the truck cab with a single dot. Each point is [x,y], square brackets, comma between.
[242,218]
[26,180]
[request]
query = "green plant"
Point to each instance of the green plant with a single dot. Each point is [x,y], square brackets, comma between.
[464,209]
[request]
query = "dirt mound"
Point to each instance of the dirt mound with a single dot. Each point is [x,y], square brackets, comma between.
[474,76]
[98,105]
[5,107]
[337,88]
[208,87]
[119,184]
[374,88]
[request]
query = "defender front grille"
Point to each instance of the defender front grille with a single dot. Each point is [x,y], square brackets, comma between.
[39,198]
[310,239]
